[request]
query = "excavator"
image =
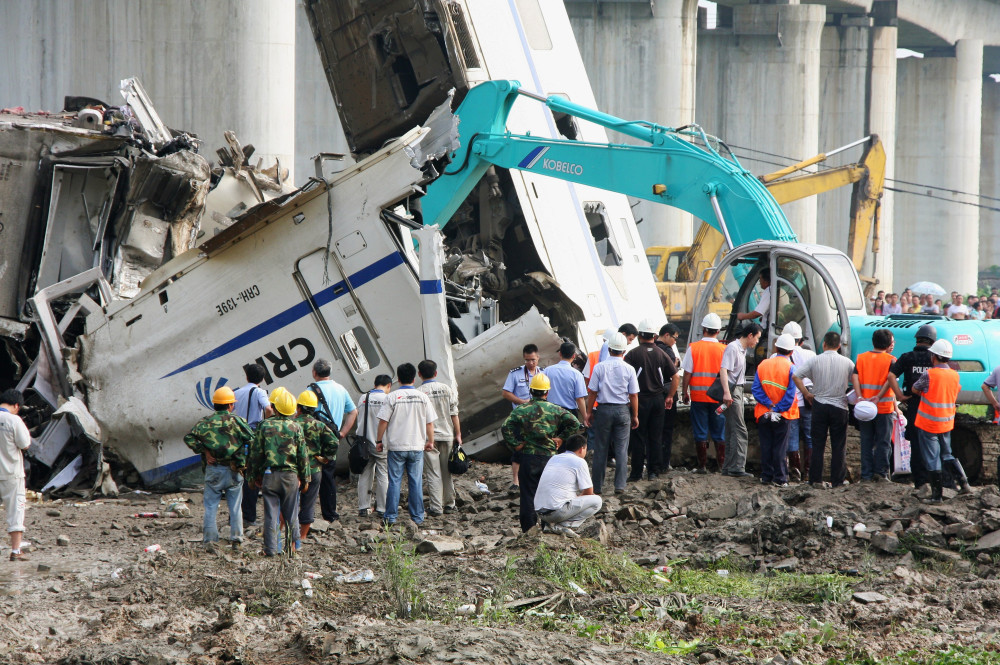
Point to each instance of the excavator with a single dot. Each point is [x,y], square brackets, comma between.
[816,286]
[680,271]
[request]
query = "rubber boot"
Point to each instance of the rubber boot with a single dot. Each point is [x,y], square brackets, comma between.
[935,487]
[794,466]
[701,447]
[304,530]
[959,473]
[720,454]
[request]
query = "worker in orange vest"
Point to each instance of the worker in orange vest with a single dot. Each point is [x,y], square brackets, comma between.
[871,383]
[938,389]
[774,390]
[701,365]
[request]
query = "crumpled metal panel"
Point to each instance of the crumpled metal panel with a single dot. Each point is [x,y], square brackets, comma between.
[388,62]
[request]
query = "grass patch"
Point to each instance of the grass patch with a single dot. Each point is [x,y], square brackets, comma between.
[953,655]
[401,576]
[793,587]
[590,566]
[661,642]
[975,410]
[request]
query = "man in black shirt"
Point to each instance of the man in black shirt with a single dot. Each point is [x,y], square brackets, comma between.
[666,342]
[657,378]
[911,366]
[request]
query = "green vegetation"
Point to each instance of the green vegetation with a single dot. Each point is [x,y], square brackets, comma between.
[590,566]
[954,655]
[661,642]
[793,587]
[402,583]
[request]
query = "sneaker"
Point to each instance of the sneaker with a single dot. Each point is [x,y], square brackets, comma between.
[362,512]
[618,491]
[563,531]
[654,476]
[820,485]
[965,489]
[237,545]
[514,488]
[449,509]
[777,484]
[701,470]
[20,556]
[724,473]
[434,513]
[634,479]
[247,525]
[740,474]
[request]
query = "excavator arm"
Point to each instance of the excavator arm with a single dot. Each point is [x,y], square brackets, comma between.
[678,168]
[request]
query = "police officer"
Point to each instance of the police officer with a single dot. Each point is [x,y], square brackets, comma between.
[657,376]
[516,391]
[278,466]
[534,430]
[221,439]
[321,448]
[910,366]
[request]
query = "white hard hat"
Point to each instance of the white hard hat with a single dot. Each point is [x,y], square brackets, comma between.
[942,348]
[794,329]
[608,334]
[785,342]
[865,411]
[618,342]
[711,321]
[647,326]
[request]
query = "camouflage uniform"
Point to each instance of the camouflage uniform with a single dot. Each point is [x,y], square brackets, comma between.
[536,425]
[225,437]
[321,442]
[279,462]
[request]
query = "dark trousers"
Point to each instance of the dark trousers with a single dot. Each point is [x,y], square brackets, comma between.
[250,495]
[917,469]
[307,502]
[328,492]
[667,436]
[773,436]
[828,421]
[644,441]
[528,475]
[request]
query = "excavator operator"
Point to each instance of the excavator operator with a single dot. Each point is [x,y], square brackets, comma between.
[763,303]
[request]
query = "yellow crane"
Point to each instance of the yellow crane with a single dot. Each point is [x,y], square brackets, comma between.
[680,270]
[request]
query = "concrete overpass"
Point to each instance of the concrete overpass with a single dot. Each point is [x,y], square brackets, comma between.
[792,78]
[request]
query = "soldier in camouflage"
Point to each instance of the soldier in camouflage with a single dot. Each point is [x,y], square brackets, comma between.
[321,448]
[279,465]
[220,439]
[535,430]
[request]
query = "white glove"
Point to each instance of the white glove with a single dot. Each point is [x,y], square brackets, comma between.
[774,416]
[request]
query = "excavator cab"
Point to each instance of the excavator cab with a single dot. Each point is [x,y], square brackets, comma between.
[817,287]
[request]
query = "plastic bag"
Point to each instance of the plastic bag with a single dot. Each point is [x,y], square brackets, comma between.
[901,450]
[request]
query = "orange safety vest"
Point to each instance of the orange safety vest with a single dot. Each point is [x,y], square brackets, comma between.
[873,372]
[936,411]
[775,374]
[706,359]
[592,363]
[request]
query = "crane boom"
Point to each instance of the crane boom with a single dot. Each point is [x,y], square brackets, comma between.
[673,169]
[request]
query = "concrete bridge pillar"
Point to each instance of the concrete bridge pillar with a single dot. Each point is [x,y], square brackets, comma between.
[939,125]
[989,179]
[857,98]
[640,57]
[758,87]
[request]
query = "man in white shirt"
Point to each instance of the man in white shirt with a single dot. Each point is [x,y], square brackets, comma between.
[565,495]
[14,438]
[763,308]
[376,473]
[406,421]
[447,432]
[892,305]
[733,375]
[957,309]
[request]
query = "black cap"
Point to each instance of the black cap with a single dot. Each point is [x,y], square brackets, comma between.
[927,331]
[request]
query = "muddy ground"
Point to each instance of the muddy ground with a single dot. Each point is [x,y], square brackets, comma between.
[919,584]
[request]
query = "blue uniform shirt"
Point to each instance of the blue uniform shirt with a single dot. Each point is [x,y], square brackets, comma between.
[567,384]
[517,383]
[251,400]
[337,398]
[614,380]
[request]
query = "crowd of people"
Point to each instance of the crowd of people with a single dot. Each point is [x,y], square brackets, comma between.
[959,307]
[617,407]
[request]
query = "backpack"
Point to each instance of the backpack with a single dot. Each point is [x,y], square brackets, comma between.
[324,415]
[359,453]
[458,462]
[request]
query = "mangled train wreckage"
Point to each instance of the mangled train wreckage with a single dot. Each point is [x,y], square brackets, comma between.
[138,277]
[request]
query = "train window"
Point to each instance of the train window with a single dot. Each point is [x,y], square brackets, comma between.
[968,365]
[359,350]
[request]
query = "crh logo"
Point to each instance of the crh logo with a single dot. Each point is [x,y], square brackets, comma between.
[203,390]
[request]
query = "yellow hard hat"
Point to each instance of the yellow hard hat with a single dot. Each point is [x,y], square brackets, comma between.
[307,398]
[274,394]
[224,395]
[540,382]
[285,403]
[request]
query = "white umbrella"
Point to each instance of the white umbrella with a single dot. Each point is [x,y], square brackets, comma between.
[928,287]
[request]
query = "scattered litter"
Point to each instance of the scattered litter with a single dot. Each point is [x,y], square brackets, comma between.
[153,548]
[306,584]
[860,527]
[482,487]
[577,588]
[117,574]
[666,570]
[33,496]
[296,604]
[313,576]
[157,515]
[660,578]
[465,610]
[722,572]
[357,577]
[309,593]
[140,492]
[829,522]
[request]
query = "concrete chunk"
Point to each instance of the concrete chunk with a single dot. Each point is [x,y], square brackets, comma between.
[440,545]
[989,542]
[724,512]
[886,542]
[866,597]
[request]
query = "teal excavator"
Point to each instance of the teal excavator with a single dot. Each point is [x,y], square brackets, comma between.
[816,286]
